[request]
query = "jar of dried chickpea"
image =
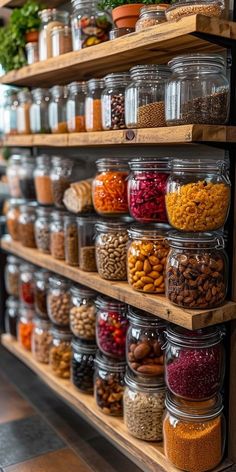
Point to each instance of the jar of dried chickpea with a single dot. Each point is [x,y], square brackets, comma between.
[23,112]
[75,107]
[12,217]
[25,327]
[151,15]
[60,353]
[57,235]
[57,109]
[93,105]
[42,180]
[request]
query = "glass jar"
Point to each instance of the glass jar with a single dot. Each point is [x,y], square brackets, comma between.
[111,326]
[25,327]
[13,176]
[27,177]
[182,8]
[26,284]
[147,254]
[86,236]
[144,406]
[150,15]
[90,25]
[22,112]
[145,340]
[75,107]
[32,53]
[60,352]
[42,229]
[57,235]
[198,194]
[113,100]
[198,90]
[83,355]
[42,180]
[109,384]
[10,112]
[83,313]
[12,275]
[39,117]
[61,41]
[109,189]
[12,217]
[59,301]
[50,18]
[145,96]
[118,32]
[196,270]
[11,316]
[93,105]
[71,240]
[198,427]
[61,177]
[41,278]
[111,249]
[147,189]
[57,109]
[41,340]
[26,224]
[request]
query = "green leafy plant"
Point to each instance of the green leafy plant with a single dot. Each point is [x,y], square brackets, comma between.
[110,4]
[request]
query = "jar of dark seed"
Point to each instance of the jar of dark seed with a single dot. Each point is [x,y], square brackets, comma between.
[40,293]
[198,91]
[61,177]
[11,315]
[42,229]
[27,177]
[71,240]
[26,224]
[83,355]
[113,100]
[86,235]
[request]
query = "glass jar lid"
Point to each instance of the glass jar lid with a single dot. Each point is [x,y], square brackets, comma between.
[52,14]
[198,166]
[84,347]
[58,215]
[13,260]
[44,212]
[194,411]
[87,219]
[154,231]
[143,318]
[150,72]
[16,202]
[64,334]
[12,302]
[59,91]
[107,303]
[15,159]
[94,84]
[197,59]
[82,292]
[195,240]
[114,225]
[40,93]
[43,160]
[113,163]
[70,219]
[150,163]
[75,87]
[58,161]
[108,363]
[141,384]
[196,339]
[117,78]
[58,282]
[156,8]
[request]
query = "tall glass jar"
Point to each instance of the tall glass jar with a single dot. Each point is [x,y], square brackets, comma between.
[181,8]
[111,249]
[90,25]
[59,301]
[71,240]
[61,41]
[86,235]
[10,112]
[145,96]
[83,313]
[57,235]
[42,229]
[150,15]
[27,177]
[50,18]
[26,224]
[60,352]
[12,217]
[61,177]
[42,180]
[198,91]
[22,112]
[82,366]
[57,109]
[196,270]
[25,327]
[198,194]
[26,284]
[93,105]
[41,340]
[39,116]
[75,107]
[11,316]
[113,100]
[41,282]
[13,175]
[12,275]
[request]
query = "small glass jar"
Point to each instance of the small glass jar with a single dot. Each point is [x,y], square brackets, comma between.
[27,177]
[198,194]
[13,176]
[41,279]
[42,180]
[147,254]
[93,105]
[111,326]
[59,301]
[60,353]
[113,100]
[26,224]
[12,275]
[42,229]
[61,177]
[145,96]
[12,217]
[50,18]
[11,316]
[180,8]
[109,384]
[32,53]
[198,90]
[61,40]
[147,189]
[23,111]
[57,235]
[75,107]
[41,340]
[71,240]
[83,313]
[150,15]
[145,340]
[26,284]
[196,270]
[86,235]
[25,327]
[57,109]
[90,25]
[10,112]
[198,427]
[144,406]
[82,366]
[111,249]
[39,116]
[118,32]
[109,189]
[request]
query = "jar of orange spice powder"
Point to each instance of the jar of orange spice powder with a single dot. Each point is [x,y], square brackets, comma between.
[42,180]
[25,327]
[57,109]
[93,110]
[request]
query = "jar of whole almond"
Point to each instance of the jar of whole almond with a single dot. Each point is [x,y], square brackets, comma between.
[59,301]
[12,217]
[26,224]
[57,235]
[42,180]
[60,352]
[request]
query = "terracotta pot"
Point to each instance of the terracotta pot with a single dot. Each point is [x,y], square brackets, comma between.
[126,16]
[32,36]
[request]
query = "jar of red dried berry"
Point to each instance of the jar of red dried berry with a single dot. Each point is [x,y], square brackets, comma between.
[26,287]
[111,326]
[194,362]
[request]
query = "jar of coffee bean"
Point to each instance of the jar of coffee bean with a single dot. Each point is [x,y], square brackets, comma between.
[41,340]
[109,384]
[60,352]
[40,293]
[59,301]
[83,355]
[83,313]
[42,229]
[113,100]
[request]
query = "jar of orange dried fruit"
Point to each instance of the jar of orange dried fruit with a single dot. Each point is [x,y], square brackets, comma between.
[25,327]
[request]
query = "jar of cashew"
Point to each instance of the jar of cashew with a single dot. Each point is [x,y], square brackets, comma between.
[147,254]
[83,312]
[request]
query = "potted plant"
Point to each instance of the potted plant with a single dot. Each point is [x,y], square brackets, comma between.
[126,12]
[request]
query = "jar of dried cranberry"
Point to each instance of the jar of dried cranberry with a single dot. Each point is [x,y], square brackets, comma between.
[194,362]
[111,326]
[26,284]
[147,188]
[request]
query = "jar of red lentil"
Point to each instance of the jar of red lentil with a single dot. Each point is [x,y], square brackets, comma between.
[93,105]
[25,327]
[57,235]
[26,224]
[12,217]
[26,284]
[42,228]
[57,109]
[75,107]
[42,180]
[113,100]
[151,15]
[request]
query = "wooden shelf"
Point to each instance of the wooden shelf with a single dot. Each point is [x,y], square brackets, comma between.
[156,304]
[19,3]
[156,45]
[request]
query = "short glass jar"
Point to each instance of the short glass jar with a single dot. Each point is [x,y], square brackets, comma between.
[12,217]
[198,194]
[25,327]
[22,112]
[10,112]
[50,18]
[26,284]
[75,107]
[93,105]
[83,313]
[61,41]
[109,189]
[113,100]
[198,90]
[90,25]
[118,32]
[26,224]
[61,177]
[59,301]
[39,117]
[144,406]
[198,427]
[11,315]
[180,8]
[60,353]
[109,384]
[12,275]
[147,189]
[41,278]
[111,326]
[57,235]
[13,176]
[150,15]
[86,236]
[71,240]
[41,340]
[42,180]
[145,96]
[146,260]
[32,53]
[82,366]
[111,249]
[57,109]
[196,270]
[42,229]
[27,177]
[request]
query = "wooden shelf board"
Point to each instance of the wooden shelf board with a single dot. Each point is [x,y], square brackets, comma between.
[148,456]
[156,304]
[156,45]
[19,3]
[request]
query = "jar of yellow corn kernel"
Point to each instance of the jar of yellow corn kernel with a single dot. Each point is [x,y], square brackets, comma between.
[198,194]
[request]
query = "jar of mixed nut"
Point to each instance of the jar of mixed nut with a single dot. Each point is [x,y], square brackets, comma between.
[59,301]
[109,384]
[12,275]
[93,105]
[147,253]
[49,19]
[145,339]
[41,340]
[13,175]
[75,107]
[57,109]
[83,313]
[22,112]
[42,229]
[12,217]
[90,25]
[57,235]
[83,355]
[26,284]
[71,240]
[151,15]
[144,406]
[25,327]
[60,352]
[40,293]
[196,270]
[26,224]
[86,235]
[42,181]
[39,119]
[61,177]
[11,315]
[113,100]
[180,8]
[27,177]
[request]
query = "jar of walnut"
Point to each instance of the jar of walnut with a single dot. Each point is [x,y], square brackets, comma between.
[83,312]
[59,301]
[41,340]
[60,352]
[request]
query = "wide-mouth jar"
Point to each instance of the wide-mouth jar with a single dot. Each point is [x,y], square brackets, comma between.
[150,15]
[113,100]
[39,118]
[42,181]
[41,279]
[59,301]
[60,353]
[57,109]
[181,8]
[83,313]
[12,217]
[83,355]
[26,223]
[42,229]
[75,107]
[12,272]
[86,236]
[11,315]
[61,177]
[41,340]
[25,327]
[93,105]
[90,25]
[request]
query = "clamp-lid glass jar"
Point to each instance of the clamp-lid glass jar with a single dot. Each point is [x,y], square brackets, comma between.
[180,8]
[75,107]
[150,15]
[71,240]
[86,235]
[57,235]
[13,175]
[93,105]
[22,112]
[26,284]
[41,340]
[42,180]
[39,117]
[83,313]
[12,275]
[12,217]
[41,279]
[198,90]
[59,301]
[42,229]
[25,327]
[61,177]
[83,355]
[27,177]
[11,315]
[60,352]
[61,40]
[111,249]
[10,112]
[113,100]
[26,224]
[90,25]
[57,109]
[50,18]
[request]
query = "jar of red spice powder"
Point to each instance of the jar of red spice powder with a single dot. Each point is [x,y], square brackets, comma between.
[194,362]
[93,105]
[26,284]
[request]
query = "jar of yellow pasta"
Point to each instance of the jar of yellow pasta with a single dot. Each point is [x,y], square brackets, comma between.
[198,194]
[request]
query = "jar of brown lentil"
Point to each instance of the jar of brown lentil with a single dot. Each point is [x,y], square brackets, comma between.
[12,217]
[150,15]
[40,293]
[60,352]
[71,240]
[26,224]
[57,235]
[57,109]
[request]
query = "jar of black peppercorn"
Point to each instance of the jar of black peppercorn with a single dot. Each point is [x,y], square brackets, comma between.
[113,100]
[27,177]
[83,355]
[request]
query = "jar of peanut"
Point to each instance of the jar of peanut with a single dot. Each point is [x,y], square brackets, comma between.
[83,312]
[60,352]
[59,301]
